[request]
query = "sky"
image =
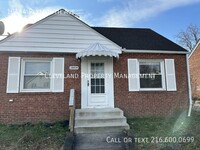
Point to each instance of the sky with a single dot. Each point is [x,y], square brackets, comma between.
[167,17]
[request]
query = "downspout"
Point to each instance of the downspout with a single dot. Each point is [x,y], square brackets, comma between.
[189,87]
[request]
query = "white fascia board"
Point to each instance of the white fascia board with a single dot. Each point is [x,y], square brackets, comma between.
[152,51]
[73,51]
[38,51]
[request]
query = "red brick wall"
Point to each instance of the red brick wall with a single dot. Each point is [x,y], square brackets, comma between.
[35,107]
[194,61]
[151,103]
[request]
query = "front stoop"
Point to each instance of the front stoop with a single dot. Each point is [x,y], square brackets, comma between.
[100,120]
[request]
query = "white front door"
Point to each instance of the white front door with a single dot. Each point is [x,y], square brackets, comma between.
[97,85]
[97,88]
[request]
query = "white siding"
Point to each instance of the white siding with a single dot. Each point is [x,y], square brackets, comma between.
[57,33]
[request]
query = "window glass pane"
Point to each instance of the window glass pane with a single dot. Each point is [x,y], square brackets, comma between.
[151,83]
[36,82]
[36,75]
[92,81]
[102,81]
[101,68]
[92,89]
[32,68]
[102,89]
[150,75]
[97,81]
[98,89]
[150,68]
[92,69]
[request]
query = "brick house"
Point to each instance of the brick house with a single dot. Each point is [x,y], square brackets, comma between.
[194,62]
[137,70]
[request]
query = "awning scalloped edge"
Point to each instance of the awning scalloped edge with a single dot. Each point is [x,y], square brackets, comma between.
[97,49]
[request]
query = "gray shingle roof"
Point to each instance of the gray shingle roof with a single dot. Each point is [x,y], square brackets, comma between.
[139,39]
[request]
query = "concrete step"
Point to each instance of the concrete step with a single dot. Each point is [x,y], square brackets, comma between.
[99,120]
[99,112]
[101,128]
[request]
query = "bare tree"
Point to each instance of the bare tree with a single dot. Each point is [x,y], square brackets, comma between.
[190,37]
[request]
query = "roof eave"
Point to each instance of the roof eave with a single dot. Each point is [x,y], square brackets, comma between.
[153,51]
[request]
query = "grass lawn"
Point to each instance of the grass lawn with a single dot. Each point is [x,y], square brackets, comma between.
[179,133]
[40,136]
[152,133]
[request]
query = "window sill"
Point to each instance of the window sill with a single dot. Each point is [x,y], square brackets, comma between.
[35,91]
[152,89]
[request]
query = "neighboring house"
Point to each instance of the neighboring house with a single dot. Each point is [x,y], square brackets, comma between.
[194,61]
[136,70]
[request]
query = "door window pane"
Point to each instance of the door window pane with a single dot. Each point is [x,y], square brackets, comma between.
[93,89]
[98,90]
[97,78]
[97,81]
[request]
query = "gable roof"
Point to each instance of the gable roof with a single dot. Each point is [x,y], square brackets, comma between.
[139,39]
[62,32]
[59,32]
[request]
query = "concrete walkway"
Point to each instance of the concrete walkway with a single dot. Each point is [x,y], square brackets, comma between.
[99,141]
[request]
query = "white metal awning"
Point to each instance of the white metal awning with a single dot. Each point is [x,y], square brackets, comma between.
[97,49]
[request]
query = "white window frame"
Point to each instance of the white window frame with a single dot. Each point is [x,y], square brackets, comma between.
[162,66]
[24,60]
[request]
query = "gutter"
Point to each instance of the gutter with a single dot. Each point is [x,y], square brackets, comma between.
[152,51]
[189,87]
